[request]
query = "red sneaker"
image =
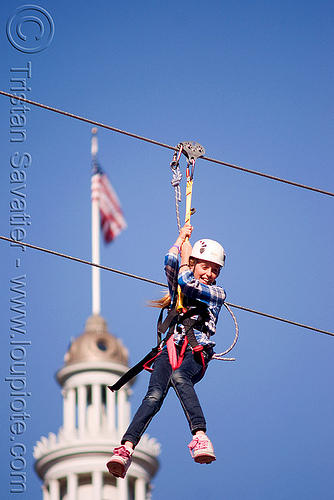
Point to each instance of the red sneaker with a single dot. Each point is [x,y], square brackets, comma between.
[201,449]
[120,461]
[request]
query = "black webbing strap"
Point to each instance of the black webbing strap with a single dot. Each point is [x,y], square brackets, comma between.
[135,370]
[168,323]
[174,317]
[189,325]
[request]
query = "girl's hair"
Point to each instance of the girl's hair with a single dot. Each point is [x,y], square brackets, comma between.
[165,301]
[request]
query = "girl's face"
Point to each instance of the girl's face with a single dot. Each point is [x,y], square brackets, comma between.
[206,272]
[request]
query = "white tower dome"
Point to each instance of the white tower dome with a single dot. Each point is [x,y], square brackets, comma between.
[72,464]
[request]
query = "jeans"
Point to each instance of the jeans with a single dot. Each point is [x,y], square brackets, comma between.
[162,378]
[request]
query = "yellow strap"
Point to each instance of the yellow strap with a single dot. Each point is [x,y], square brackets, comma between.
[179,301]
[189,190]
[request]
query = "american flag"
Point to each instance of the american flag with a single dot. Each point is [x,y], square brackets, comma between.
[111,215]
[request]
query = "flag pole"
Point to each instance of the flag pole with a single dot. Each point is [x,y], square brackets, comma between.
[96,289]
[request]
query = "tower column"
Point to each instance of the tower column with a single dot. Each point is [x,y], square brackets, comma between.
[96,404]
[54,490]
[72,486]
[69,410]
[123,488]
[140,489]
[122,412]
[97,485]
[82,406]
[46,494]
[111,410]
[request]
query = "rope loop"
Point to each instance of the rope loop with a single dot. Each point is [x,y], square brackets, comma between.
[176,179]
[221,355]
[177,175]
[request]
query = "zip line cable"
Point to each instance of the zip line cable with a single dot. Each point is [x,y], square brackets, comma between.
[130,275]
[82,261]
[158,143]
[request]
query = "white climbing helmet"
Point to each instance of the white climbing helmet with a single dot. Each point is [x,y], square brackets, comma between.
[209,250]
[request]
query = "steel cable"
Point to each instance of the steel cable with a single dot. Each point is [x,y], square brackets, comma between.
[130,275]
[158,143]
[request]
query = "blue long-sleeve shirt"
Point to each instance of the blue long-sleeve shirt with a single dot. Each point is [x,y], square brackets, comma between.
[212,296]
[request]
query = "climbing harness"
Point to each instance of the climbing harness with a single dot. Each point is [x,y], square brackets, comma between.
[172,319]
[189,318]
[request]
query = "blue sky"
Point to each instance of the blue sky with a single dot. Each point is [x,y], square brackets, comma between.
[253,83]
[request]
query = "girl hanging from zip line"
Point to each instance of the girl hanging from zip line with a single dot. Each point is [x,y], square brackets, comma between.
[189,347]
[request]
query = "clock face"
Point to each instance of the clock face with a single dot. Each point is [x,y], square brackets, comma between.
[102,345]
